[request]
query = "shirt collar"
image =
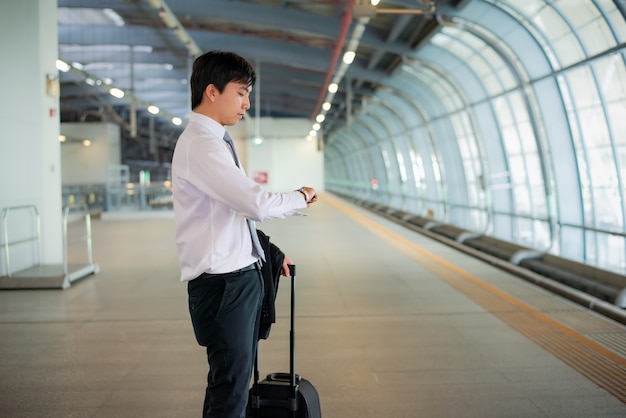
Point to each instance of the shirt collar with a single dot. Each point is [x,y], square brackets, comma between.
[208,123]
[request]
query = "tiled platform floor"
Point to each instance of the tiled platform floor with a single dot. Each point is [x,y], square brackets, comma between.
[380,333]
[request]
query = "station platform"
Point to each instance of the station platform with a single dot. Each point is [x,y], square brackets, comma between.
[390,324]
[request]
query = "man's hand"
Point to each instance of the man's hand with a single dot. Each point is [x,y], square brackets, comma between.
[309,193]
[285,270]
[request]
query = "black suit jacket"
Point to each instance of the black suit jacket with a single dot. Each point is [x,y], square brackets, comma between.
[270,271]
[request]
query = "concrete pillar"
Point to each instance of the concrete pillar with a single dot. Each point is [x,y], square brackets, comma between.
[30,172]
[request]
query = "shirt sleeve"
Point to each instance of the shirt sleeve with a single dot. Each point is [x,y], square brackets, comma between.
[212,170]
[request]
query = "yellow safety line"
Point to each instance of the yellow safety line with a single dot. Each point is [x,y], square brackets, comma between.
[486,286]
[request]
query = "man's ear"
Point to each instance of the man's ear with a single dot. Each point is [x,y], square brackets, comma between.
[210,92]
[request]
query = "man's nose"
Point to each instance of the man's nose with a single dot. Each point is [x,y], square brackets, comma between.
[246,102]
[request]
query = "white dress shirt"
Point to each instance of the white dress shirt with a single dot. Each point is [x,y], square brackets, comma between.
[212,200]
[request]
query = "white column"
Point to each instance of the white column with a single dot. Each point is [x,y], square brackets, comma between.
[30,172]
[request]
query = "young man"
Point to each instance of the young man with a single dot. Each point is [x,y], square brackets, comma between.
[213,201]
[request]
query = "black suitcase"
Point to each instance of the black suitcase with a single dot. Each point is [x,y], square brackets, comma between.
[284,394]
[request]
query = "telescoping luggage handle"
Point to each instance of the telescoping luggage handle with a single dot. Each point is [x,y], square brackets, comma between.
[293,378]
[292,335]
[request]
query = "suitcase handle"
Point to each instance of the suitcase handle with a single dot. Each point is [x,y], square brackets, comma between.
[292,335]
[291,376]
[282,377]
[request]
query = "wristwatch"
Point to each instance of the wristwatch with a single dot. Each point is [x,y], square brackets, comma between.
[304,193]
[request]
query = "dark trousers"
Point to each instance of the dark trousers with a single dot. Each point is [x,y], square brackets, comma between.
[225,312]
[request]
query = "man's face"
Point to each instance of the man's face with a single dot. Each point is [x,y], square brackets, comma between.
[233,102]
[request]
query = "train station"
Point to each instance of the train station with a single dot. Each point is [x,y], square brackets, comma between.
[447,176]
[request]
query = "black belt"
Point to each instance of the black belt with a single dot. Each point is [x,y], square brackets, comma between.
[254,266]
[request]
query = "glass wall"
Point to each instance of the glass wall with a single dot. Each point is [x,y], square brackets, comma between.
[514,126]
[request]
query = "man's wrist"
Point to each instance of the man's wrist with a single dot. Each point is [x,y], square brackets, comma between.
[304,193]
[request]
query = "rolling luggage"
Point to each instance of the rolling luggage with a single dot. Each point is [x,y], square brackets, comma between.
[284,394]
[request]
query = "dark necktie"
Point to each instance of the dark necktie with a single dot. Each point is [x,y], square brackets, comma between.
[255,238]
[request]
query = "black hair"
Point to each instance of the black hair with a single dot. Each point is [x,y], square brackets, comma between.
[218,68]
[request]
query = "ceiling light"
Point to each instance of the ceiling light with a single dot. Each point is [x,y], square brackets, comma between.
[87,143]
[326,106]
[316,126]
[348,57]
[153,109]
[62,138]
[63,66]
[88,16]
[177,121]
[117,19]
[313,133]
[333,87]
[258,140]
[374,2]
[115,92]
[320,118]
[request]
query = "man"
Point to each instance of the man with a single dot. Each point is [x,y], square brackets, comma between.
[213,201]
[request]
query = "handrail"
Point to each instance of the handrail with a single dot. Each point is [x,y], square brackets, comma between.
[86,237]
[4,215]
[531,217]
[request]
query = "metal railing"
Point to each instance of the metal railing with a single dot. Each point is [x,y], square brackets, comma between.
[139,197]
[35,220]
[87,237]
[6,244]
[120,197]
[365,193]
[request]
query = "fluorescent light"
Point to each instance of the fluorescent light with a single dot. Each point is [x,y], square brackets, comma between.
[88,16]
[177,121]
[333,87]
[114,17]
[348,57]
[115,92]
[326,106]
[63,66]
[153,109]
